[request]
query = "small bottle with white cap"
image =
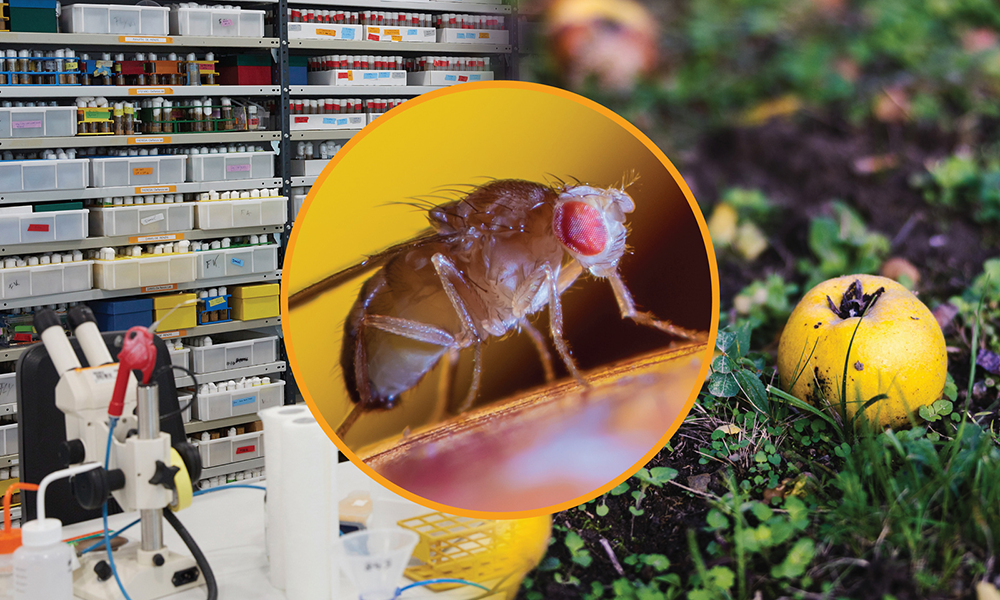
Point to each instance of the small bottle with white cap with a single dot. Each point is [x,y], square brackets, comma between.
[43,565]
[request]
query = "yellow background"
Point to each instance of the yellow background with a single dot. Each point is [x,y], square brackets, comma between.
[469,134]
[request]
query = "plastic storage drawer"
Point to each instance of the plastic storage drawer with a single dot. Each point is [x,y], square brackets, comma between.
[114,18]
[55,226]
[237,261]
[187,412]
[217,22]
[120,315]
[44,280]
[245,350]
[230,166]
[128,273]
[8,393]
[181,358]
[142,219]
[42,121]
[234,448]
[8,439]
[38,175]
[246,401]
[137,170]
[226,214]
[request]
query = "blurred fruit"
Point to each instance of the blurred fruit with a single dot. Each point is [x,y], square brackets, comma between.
[613,41]
[901,270]
[898,349]
[892,106]
[722,224]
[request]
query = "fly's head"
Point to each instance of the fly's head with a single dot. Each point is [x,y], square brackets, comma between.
[590,224]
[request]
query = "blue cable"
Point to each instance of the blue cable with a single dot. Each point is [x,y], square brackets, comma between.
[434,581]
[104,512]
[113,535]
[229,487]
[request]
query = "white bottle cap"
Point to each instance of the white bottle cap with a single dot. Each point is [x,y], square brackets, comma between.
[39,533]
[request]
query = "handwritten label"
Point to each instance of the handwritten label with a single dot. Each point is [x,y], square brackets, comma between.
[463,77]
[27,124]
[38,227]
[391,32]
[411,32]
[237,361]
[475,77]
[485,35]
[329,32]
[13,283]
[237,261]
[226,22]
[238,168]
[341,121]
[373,38]
[450,78]
[208,67]
[396,38]
[165,287]
[96,114]
[142,170]
[158,189]
[246,449]
[149,140]
[329,121]
[163,237]
[301,119]
[244,401]
[144,91]
[347,33]
[371,75]
[373,30]
[344,75]
[461,35]
[152,219]
[131,39]
[216,301]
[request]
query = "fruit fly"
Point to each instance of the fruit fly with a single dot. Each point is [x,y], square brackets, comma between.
[492,259]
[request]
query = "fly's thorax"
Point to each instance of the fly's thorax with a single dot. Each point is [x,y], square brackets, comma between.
[590,224]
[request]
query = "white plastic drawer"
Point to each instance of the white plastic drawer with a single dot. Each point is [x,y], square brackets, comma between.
[237,261]
[217,22]
[226,214]
[137,170]
[128,273]
[142,219]
[37,175]
[8,439]
[245,351]
[53,226]
[230,166]
[8,393]
[43,280]
[113,18]
[180,358]
[42,121]
[234,448]
[246,401]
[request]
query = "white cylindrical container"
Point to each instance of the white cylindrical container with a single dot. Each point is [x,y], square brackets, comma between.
[43,564]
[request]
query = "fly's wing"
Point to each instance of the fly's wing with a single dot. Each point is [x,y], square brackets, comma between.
[372,262]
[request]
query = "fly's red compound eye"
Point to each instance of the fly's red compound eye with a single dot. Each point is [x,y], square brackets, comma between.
[580,227]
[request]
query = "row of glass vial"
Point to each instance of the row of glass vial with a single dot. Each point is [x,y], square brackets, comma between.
[236,195]
[221,480]
[448,63]
[345,61]
[49,258]
[343,106]
[109,253]
[317,150]
[50,154]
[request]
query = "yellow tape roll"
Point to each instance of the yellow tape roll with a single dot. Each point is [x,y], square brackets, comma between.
[183,482]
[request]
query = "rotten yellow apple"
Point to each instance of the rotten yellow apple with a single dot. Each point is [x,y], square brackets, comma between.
[897,354]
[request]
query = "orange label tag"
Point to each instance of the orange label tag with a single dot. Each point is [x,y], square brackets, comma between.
[166,287]
[391,32]
[162,237]
[144,91]
[166,335]
[350,75]
[156,189]
[373,30]
[484,35]
[330,32]
[132,39]
[149,140]
[142,170]
[397,38]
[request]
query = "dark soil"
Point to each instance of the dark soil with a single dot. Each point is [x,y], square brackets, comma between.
[801,165]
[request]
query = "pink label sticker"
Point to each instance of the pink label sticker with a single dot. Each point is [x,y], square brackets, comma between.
[27,124]
[226,22]
[237,168]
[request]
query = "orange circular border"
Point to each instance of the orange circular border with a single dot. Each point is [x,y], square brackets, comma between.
[713,332]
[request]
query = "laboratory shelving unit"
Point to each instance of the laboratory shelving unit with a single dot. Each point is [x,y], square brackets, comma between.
[277,44]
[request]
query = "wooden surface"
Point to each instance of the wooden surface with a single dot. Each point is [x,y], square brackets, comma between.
[564,438]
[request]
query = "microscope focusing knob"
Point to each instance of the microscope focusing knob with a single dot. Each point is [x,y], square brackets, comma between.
[92,488]
[72,452]
[164,476]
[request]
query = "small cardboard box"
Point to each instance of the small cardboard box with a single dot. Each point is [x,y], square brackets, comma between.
[182,318]
[252,302]
[119,315]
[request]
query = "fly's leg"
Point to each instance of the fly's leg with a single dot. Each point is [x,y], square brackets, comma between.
[628,311]
[543,351]
[449,274]
[446,385]
[556,326]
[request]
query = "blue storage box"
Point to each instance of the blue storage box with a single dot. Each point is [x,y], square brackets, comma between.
[119,315]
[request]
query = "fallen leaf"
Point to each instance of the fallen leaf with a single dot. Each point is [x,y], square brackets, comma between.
[869,165]
[987,591]
[722,224]
[945,315]
[700,483]
[729,429]
[750,241]
[765,111]
[893,105]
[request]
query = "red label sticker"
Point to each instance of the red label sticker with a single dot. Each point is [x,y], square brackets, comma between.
[463,78]
[38,227]
[372,37]
[301,119]
[245,449]
[342,75]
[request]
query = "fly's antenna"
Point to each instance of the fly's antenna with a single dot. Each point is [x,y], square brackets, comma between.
[629,179]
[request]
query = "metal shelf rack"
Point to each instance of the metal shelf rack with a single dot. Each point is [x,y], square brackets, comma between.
[86,141]
[35,92]
[113,40]
[173,188]
[327,134]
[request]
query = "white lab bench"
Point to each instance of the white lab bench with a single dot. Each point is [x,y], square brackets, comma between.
[229,528]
